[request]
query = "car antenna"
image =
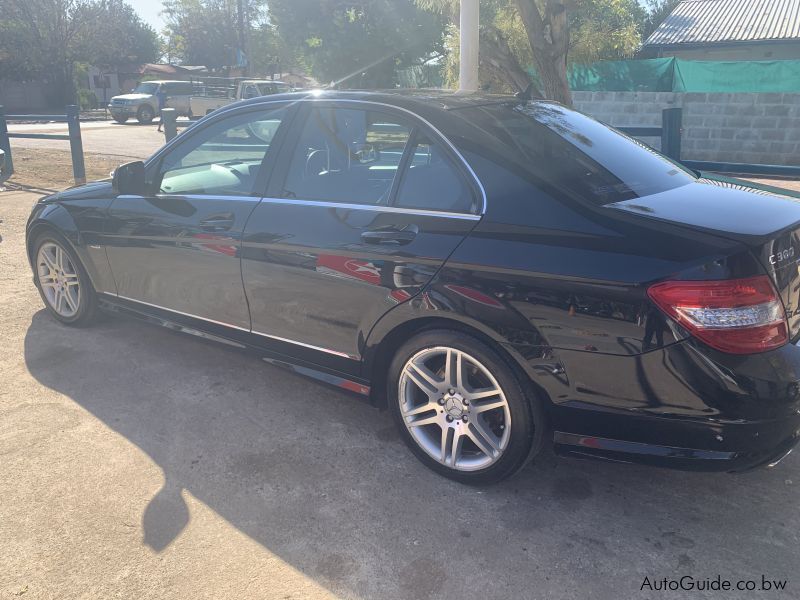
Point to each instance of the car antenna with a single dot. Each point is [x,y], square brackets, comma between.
[526,95]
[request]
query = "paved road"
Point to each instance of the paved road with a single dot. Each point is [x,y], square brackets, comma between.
[130,140]
[141,463]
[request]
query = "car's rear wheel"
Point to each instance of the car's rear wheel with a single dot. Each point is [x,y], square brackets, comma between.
[62,282]
[462,409]
[145,115]
[121,119]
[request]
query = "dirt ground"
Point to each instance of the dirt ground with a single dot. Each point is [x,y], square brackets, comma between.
[141,463]
[51,170]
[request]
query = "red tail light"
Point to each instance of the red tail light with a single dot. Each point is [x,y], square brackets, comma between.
[738,316]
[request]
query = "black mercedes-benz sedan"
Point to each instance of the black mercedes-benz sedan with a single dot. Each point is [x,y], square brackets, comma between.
[499,274]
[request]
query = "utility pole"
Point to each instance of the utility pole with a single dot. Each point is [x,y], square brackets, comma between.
[470,31]
[242,34]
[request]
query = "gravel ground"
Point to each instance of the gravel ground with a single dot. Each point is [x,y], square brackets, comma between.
[140,463]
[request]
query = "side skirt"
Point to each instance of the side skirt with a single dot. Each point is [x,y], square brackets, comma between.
[243,340]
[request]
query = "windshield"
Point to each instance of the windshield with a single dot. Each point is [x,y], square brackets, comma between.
[146,88]
[578,155]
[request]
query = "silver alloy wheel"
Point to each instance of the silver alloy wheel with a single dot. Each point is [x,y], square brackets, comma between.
[58,279]
[454,408]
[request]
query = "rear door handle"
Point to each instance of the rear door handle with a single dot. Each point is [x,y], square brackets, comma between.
[391,235]
[220,222]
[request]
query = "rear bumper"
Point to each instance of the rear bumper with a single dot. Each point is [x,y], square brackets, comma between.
[688,459]
[682,406]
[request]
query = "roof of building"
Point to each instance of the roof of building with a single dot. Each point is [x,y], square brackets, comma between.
[725,21]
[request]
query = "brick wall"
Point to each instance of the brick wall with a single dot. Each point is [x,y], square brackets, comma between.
[744,128]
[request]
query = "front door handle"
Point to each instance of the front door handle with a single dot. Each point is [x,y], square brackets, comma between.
[398,236]
[220,222]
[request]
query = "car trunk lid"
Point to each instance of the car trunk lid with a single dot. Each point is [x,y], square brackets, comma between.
[765,219]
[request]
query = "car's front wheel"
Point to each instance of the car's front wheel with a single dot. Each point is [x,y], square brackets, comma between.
[62,282]
[462,409]
[145,115]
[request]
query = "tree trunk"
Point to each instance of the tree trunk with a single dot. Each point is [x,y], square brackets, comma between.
[548,36]
[500,69]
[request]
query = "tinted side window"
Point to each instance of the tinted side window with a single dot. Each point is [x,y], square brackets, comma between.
[431,182]
[346,155]
[224,159]
[575,154]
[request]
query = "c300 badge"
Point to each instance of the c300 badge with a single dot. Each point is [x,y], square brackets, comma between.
[782,256]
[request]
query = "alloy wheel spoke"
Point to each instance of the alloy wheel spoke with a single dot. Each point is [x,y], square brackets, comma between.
[59,299]
[452,368]
[424,421]
[421,409]
[73,305]
[59,258]
[488,405]
[455,447]
[49,261]
[444,444]
[422,377]
[482,438]
[483,393]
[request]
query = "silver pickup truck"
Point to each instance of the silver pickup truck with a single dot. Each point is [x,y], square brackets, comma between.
[210,98]
[144,102]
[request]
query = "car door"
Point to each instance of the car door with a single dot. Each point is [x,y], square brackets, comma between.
[177,96]
[366,205]
[178,247]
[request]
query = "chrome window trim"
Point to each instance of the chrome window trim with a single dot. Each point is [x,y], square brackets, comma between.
[374,208]
[438,133]
[223,324]
[194,197]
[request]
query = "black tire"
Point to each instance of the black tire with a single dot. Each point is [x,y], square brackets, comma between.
[87,306]
[145,115]
[527,414]
[121,119]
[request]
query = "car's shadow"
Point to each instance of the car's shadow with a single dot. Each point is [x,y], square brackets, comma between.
[323,481]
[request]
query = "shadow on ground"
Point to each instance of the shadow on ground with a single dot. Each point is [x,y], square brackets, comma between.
[323,481]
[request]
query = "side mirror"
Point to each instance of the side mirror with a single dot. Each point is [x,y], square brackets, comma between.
[128,179]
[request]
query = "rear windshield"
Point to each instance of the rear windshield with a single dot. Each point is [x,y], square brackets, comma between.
[576,154]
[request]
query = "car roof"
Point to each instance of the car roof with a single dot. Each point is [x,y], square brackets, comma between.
[409,99]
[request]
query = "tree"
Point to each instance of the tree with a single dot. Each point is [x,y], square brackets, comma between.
[547,35]
[206,32]
[46,38]
[358,43]
[657,11]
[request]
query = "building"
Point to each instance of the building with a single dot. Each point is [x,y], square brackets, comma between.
[728,30]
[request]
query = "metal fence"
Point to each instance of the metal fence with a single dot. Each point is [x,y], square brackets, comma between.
[71,117]
[670,133]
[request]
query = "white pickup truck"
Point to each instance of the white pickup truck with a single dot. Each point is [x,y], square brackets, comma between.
[210,96]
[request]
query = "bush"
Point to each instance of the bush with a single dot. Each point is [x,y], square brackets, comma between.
[87,100]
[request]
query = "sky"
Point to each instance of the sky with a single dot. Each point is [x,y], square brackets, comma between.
[148,10]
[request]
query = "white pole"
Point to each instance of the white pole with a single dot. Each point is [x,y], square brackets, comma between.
[468,68]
